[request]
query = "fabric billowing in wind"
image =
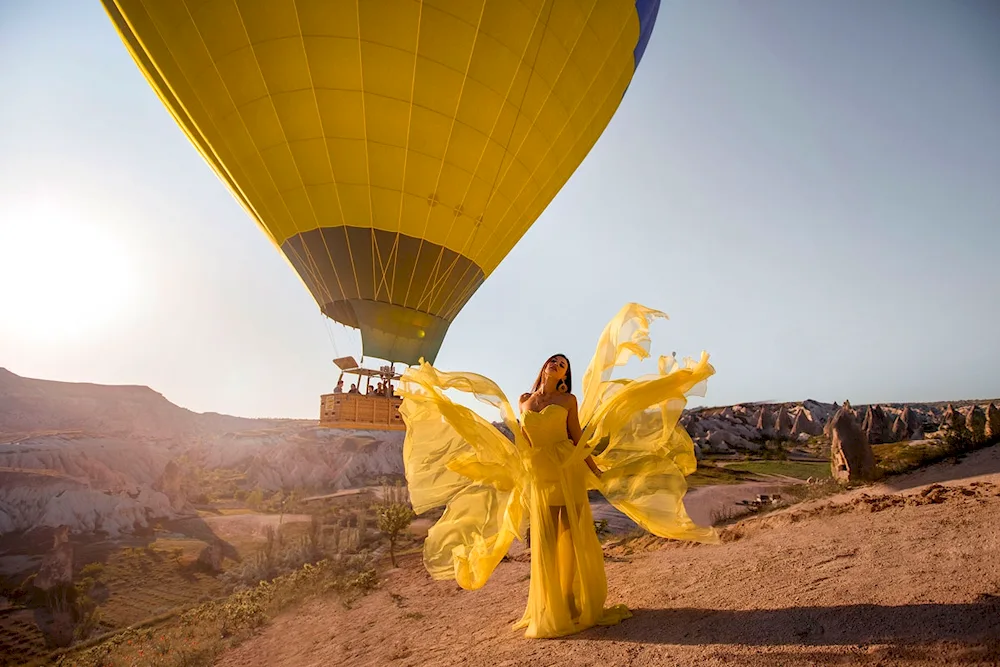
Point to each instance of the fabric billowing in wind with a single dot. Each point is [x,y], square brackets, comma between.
[493,488]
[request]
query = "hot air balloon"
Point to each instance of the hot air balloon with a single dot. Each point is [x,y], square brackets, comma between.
[394,150]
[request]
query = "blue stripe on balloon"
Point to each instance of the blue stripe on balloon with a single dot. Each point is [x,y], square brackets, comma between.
[646,9]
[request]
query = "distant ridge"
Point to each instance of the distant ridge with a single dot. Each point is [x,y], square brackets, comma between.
[29,405]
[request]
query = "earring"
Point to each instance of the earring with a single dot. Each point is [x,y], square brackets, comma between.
[562,387]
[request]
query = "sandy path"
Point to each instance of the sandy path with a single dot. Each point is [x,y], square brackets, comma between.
[701,502]
[903,579]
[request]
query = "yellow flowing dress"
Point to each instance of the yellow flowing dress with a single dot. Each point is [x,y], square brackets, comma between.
[492,488]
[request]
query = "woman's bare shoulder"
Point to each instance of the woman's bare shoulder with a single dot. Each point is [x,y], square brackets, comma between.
[567,400]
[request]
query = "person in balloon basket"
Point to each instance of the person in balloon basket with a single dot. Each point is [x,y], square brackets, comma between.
[620,437]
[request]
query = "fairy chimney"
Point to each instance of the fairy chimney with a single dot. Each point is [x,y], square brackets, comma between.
[975,422]
[886,423]
[765,422]
[783,422]
[866,423]
[951,419]
[992,421]
[851,457]
[828,426]
[874,425]
[801,424]
[900,431]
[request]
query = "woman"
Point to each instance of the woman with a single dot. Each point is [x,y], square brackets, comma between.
[492,487]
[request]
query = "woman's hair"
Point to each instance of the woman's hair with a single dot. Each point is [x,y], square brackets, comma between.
[568,379]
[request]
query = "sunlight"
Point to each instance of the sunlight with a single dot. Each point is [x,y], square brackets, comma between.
[64,276]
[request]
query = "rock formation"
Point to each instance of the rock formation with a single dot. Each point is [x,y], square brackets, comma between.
[874,425]
[811,417]
[886,420]
[212,555]
[44,497]
[951,419]
[327,458]
[851,457]
[765,422]
[170,484]
[828,426]
[909,418]
[819,413]
[783,423]
[992,421]
[57,566]
[975,422]
[900,431]
[801,423]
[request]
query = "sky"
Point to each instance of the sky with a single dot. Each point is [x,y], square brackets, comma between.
[811,191]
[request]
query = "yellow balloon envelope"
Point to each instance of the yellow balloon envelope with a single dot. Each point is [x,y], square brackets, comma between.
[394,150]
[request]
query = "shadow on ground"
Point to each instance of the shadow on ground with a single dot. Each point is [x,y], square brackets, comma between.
[970,624]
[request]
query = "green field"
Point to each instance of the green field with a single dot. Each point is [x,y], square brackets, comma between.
[797,469]
[707,475]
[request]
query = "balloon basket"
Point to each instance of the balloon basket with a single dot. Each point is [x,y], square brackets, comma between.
[363,406]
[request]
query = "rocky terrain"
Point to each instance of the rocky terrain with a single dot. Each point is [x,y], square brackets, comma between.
[40,498]
[116,458]
[747,426]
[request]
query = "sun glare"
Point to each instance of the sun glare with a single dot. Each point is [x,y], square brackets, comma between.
[62,277]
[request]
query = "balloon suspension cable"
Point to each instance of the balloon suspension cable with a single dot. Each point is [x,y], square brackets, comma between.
[332,326]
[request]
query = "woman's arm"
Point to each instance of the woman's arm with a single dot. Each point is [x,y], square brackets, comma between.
[576,432]
[573,420]
[520,408]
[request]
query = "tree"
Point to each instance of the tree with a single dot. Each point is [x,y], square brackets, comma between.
[255,499]
[392,518]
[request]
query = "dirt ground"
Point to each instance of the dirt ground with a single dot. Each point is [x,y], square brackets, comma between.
[904,573]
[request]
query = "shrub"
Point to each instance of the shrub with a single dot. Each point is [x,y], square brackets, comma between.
[392,518]
[255,499]
[897,458]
